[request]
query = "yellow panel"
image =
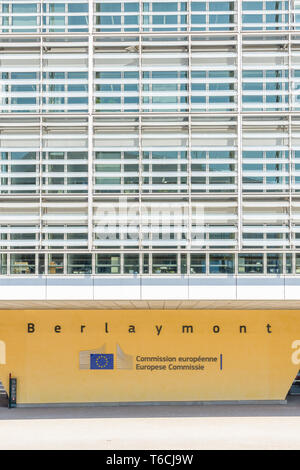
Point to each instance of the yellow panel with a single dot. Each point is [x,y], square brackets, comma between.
[258,349]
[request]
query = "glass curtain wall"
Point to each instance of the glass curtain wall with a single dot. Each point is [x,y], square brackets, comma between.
[150,137]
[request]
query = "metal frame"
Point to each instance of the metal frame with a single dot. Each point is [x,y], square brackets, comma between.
[289,39]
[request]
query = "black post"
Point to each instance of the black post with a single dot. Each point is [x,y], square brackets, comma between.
[12,399]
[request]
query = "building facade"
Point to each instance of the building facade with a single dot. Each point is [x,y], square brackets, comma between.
[150,154]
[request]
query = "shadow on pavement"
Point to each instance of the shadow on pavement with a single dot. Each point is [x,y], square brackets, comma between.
[292,408]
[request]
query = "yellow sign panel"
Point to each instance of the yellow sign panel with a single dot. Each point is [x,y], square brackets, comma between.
[63,356]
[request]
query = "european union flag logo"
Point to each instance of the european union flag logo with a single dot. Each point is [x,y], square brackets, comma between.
[102,361]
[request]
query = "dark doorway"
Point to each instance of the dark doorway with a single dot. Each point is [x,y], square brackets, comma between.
[3,396]
[295,388]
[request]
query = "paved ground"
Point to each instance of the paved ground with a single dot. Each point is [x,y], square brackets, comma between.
[153,427]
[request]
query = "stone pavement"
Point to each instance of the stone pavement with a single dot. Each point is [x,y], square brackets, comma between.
[153,427]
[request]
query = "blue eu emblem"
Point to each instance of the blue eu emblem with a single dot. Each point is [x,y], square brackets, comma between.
[102,361]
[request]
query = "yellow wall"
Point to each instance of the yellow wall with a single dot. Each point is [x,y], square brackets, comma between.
[257,365]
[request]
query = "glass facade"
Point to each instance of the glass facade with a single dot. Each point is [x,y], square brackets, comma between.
[150,137]
[147,16]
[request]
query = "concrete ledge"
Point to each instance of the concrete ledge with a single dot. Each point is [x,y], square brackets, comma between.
[151,287]
[155,403]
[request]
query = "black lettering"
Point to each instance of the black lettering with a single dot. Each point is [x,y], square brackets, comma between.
[158,329]
[216,329]
[82,328]
[57,328]
[30,327]
[269,328]
[243,329]
[187,329]
[106,328]
[131,329]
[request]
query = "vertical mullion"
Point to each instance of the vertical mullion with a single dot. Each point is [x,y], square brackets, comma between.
[239,46]
[291,177]
[40,172]
[90,126]
[41,93]
[189,151]
[140,147]
[290,148]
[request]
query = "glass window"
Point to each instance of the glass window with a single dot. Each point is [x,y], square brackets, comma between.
[56,20]
[24,21]
[251,263]
[41,264]
[55,264]
[221,264]
[289,263]
[131,264]
[183,263]
[23,155]
[77,20]
[22,264]
[131,7]
[274,263]
[297,263]
[3,264]
[108,7]
[24,8]
[145,263]
[164,264]
[79,264]
[78,8]
[56,8]
[198,264]
[108,264]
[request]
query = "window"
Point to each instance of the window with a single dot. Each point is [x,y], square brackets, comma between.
[131,264]
[22,264]
[198,264]
[55,264]
[274,263]
[79,264]
[108,264]
[221,264]
[251,264]
[164,264]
